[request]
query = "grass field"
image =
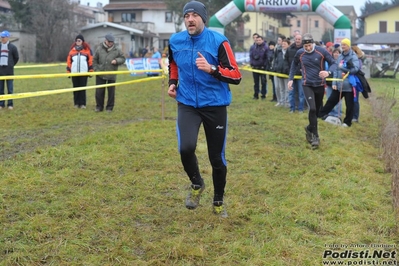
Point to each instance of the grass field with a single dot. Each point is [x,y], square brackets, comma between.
[86,188]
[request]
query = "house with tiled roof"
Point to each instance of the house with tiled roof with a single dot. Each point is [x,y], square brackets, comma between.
[382,21]
[86,14]
[151,17]
[125,37]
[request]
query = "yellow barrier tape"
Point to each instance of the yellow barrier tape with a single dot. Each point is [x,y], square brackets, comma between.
[60,75]
[50,92]
[284,75]
[43,65]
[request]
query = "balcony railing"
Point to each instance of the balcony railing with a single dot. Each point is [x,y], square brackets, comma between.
[144,26]
[243,33]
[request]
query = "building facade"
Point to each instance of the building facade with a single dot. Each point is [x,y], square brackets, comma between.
[311,22]
[382,21]
[264,24]
[151,17]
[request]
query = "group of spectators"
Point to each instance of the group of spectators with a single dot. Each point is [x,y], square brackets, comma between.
[293,85]
[277,57]
[107,57]
[80,59]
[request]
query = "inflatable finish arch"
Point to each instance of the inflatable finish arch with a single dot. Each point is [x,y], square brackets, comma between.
[236,7]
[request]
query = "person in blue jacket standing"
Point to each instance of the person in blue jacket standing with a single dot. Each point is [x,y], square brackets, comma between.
[201,65]
[311,59]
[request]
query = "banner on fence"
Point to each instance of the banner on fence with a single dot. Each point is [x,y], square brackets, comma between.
[242,57]
[145,65]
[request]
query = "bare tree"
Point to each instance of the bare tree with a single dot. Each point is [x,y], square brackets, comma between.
[368,8]
[53,23]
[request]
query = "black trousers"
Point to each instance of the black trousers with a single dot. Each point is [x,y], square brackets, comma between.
[214,120]
[100,94]
[262,83]
[334,99]
[79,97]
[314,98]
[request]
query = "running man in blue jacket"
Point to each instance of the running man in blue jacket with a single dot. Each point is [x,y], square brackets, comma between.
[311,59]
[201,65]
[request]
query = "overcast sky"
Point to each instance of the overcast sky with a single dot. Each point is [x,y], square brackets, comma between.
[357,3]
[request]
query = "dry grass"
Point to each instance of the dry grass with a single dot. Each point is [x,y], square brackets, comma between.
[86,188]
[386,111]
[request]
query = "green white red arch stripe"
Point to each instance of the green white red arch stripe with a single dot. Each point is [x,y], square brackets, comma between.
[236,7]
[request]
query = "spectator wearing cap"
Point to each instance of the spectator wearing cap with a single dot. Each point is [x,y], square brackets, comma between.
[9,58]
[107,58]
[329,47]
[79,60]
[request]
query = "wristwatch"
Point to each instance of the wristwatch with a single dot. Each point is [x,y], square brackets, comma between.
[329,72]
[213,69]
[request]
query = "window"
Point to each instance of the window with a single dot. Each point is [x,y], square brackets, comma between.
[298,23]
[383,26]
[316,23]
[168,17]
[128,17]
[396,26]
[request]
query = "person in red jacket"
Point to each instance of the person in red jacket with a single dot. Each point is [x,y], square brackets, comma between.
[79,60]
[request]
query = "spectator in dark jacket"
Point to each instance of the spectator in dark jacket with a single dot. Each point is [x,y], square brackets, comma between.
[277,48]
[107,58]
[9,58]
[296,96]
[258,60]
[280,65]
[144,51]
[270,56]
